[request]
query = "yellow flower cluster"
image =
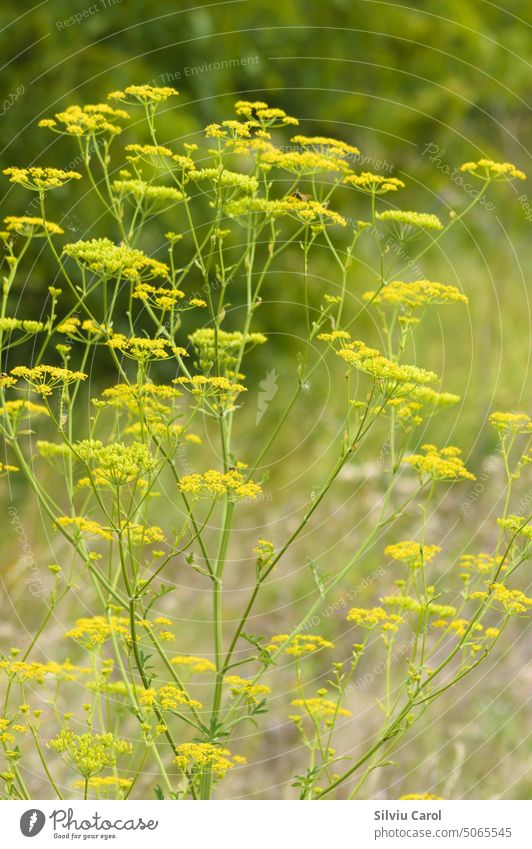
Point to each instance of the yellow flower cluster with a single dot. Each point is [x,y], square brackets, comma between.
[108,260]
[193,663]
[43,379]
[513,601]
[40,179]
[116,463]
[105,784]
[517,525]
[84,526]
[141,348]
[159,298]
[146,194]
[412,553]
[375,184]
[9,324]
[199,384]
[148,150]
[242,687]
[511,422]
[412,605]
[90,120]
[222,346]
[416,295]
[487,169]
[424,220]
[397,377]
[298,644]
[205,757]
[35,671]
[267,116]
[303,163]
[8,729]
[144,94]
[373,617]
[480,562]
[168,698]
[27,225]
[89,753]
[439,464]
[318,708]
[308,211]
[324,144]
[225,179]
[214,484]
[96,630]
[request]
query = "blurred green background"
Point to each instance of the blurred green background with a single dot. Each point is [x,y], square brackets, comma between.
[394,80]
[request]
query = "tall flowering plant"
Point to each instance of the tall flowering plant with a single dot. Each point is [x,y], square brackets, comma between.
[127,515]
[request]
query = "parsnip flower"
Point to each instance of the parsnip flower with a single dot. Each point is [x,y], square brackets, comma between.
[108,260]
[490,171]
[375,184]
[91,120]
[40,179]
[414,554]
[89,753]
[204,757]
[415,295]
[146,95]
[298,645]
[439,464]
[423,220]
[214,484]
[193,663]
[27,225]
[44,379]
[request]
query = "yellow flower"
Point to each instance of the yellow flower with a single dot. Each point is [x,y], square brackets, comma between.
[84,526]
[43,379]
[267,116]
[96,630]
[90,120]
[40,179]
[195,664]
[319,708]
[204,757]
[108,260]
[412,553]
[517,525]
[232,485]
[373,183]
[143,94]
[168,698]
[242,687]
[415,295]
[488,170]
[89,753]
[298,644]
[424,220]
[439,464]
[308,211]
[513,601]
[27,225]
[105,784]
[511,422]
[374,617]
